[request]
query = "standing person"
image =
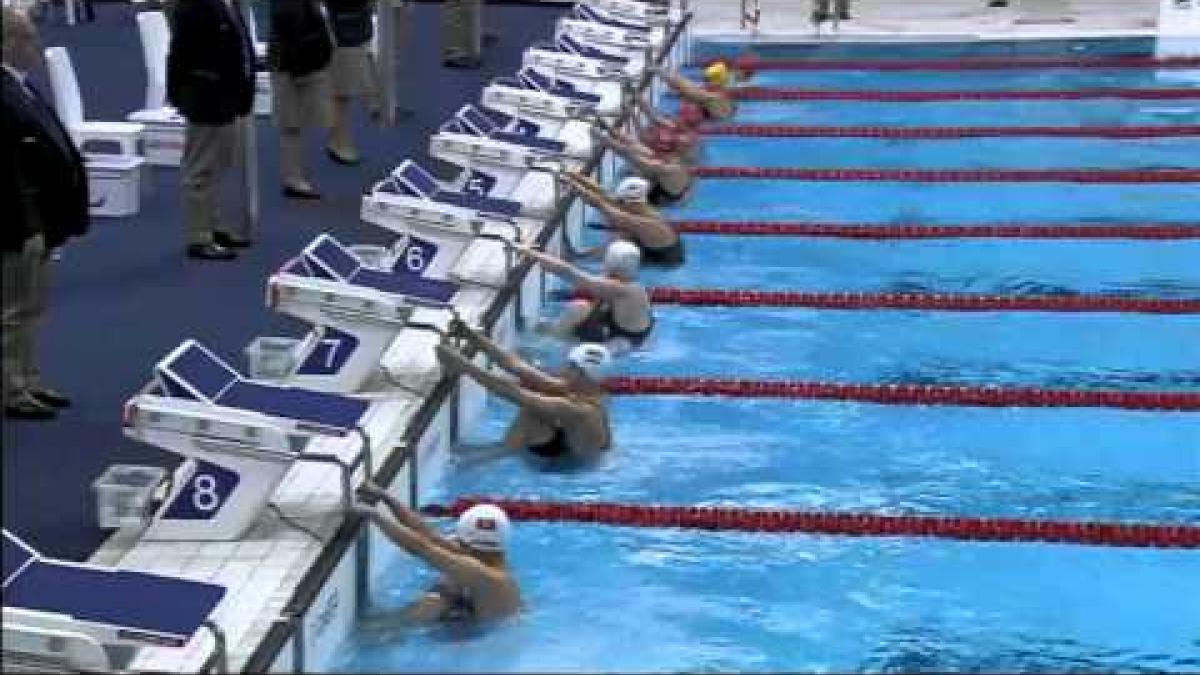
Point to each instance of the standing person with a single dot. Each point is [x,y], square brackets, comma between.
[353,73]
[210,80]
[462,28]
[45,196]
[822,13]
[299,53]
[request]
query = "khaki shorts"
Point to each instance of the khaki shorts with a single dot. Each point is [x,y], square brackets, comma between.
[354,74]
[301,101]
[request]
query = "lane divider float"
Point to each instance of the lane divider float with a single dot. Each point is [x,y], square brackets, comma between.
[1147,231]
[958,302]
[975,63]
[906,394]
[955,175]
[930,96]
[923,133]
[739,519]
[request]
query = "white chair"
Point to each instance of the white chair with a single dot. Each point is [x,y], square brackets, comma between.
[162,139]
[69,105]
[156,36]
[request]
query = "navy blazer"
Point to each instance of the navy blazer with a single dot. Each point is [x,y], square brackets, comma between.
[45,182]
[210,62]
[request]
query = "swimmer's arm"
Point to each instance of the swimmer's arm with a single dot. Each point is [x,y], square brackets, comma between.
[639,224]
[525,371]
[596,285]
[463,569]
[411,519]
[503,387]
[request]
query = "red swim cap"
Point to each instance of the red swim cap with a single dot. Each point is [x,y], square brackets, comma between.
[745,64]
[690,114]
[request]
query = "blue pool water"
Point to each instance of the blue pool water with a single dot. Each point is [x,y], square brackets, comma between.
[617,599]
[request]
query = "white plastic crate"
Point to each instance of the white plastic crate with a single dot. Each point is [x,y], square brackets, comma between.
[114,184]
[271,358]
[262,93]
[125,495]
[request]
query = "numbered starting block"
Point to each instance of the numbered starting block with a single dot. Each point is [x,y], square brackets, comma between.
[374,326]
[570,140]
[620,40]
[412,198]
[566,57]
[551,111]
[65,616]
[239,437]
[645,13]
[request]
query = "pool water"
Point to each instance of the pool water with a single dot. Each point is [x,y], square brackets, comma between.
[619,599]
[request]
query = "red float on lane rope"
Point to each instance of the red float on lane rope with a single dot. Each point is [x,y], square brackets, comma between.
[958,302]
[955,175]
[798,131]
[1092,533]
[927,96]
[975,63]
[907,394]
[1152,231]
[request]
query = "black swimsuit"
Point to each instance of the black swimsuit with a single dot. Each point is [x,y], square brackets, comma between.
[663,256]
[659,196]
[602,326]
[458,604]
[554,448]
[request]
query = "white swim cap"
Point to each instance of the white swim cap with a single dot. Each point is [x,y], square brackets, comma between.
[623,257]
[484,527]
[633,189]
[590,357]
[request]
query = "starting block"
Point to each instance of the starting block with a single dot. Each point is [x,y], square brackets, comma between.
[239,437]
[60,614]
[618,40]
[569,58]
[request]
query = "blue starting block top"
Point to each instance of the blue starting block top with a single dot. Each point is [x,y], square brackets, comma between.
[464,122]
[327,258]
[139,605]
[570,45]
[586,13]
[195,373]
[536,80]
[414,181]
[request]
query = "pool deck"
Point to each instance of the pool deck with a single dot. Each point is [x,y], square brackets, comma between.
[787,20]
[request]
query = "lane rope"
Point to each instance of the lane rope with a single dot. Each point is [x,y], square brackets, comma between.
[964,528]
[801,131]
[1110,176]
[1148,231]
[927,96]
[975,63]
[960,302]
[905,394]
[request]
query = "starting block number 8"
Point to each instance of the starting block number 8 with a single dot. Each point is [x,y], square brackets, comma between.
[204,495]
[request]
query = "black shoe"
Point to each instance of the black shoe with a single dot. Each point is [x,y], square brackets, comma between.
[50,398]
[210,252]
[998,3]
[299,193]
[226,240]
[490,39]
[821,17]
[340,159]
[27,408]
[844,16]
[468,62]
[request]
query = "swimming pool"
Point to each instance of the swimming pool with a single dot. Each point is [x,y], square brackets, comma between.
[603,598]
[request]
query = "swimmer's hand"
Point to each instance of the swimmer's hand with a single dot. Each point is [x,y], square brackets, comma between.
[367,512]
[449,358]
[371,489]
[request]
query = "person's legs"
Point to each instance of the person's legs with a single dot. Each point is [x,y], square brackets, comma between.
[304,101]
[204,153]
[461,40]
[21,270]
[842,7]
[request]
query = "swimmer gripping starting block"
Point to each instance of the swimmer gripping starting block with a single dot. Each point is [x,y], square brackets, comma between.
[239,437]
[374,326]
[69,615]
[412,200]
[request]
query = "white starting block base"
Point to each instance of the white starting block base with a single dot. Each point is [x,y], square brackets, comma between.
[114,184]
[162,135]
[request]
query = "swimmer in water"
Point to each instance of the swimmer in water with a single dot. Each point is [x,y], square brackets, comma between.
[476,583]
[713,99]
[561,416]
[670,178]
[630,215]
[615,309]
[664,135]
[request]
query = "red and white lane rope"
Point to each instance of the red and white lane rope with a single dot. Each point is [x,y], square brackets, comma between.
[1092,533]
[927,133]
[974,63]
[956,302]
[751,93]
[1109,176]
[1150,231]
[906,394]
